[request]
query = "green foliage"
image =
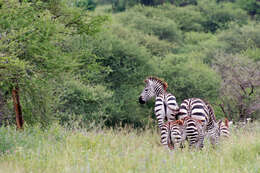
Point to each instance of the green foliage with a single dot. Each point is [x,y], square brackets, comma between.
[188,18]
[70,69]
[36,53]
[13,72]
[84,103]
[189,78]
[251,6]
[218,16]
[119,5]
[184,2]
[129,64]
[86,4]
[160,26]
[240,39]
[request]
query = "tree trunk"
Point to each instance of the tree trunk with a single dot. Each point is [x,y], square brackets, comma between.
[1,108]
[17,107]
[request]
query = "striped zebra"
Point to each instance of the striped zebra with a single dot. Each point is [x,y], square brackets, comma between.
[202,111]
[188,128]
[224,128]
[194,132]
[166,106]
[172,132]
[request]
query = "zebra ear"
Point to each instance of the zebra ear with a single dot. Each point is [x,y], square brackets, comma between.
[147,81]
[226,122]
[165,86]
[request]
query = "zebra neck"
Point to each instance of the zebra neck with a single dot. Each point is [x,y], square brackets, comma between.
[158,89]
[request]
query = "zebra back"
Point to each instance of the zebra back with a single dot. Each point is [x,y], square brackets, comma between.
[195,108]
[172,134]
[165,108]
[194,131]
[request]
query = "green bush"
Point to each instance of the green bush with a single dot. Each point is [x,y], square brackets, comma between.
[188,78]
[238,39]
[251,6]
[161,27]
[83,103]
[86,4]
[218,16]
[119,5]
[188,18]
[184,2]
[129,64]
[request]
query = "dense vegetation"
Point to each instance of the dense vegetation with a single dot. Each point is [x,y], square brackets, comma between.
[79,61]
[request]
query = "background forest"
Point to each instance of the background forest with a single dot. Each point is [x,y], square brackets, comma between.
[84,61]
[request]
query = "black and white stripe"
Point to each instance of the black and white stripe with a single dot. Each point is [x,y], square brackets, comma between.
[194,132]
[166,106]
[213,128]
[176,132]
[172,133]
[203,111]
[224,128]
[195,108]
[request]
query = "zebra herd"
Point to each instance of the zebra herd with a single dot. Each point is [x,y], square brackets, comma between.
[192,121]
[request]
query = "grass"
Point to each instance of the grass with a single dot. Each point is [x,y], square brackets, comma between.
[121,151]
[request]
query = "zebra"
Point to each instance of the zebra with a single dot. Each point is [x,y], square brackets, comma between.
[194,132]
[224,128]
[202,111]
[188,128]
[172,131]
[166,106]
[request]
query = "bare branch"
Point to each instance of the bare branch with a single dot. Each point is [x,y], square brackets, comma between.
[252,90]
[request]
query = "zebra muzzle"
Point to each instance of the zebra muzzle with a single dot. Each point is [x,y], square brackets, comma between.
[141,100]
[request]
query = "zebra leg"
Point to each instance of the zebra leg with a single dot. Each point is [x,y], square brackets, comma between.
[200,143]
[213,141]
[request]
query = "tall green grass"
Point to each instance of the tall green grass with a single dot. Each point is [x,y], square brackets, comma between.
[121,151]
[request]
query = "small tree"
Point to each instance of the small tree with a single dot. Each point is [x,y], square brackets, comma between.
[240,90]
[12,75]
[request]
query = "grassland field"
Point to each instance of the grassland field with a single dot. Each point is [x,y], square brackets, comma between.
[123,150]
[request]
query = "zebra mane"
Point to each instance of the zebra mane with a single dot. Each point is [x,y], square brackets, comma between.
[152,78]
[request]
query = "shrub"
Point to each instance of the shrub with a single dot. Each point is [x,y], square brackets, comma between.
[83,103]
[188,78]
[119,5]
[184,2]
[238,39]
[188,18]
[251,6]
[86,4]
[218,16]
[162,27]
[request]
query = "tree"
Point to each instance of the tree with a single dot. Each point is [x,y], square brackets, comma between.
[240,89]
[35,52]
[13,74]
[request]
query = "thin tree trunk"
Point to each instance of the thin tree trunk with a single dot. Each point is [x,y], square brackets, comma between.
[17,107]
[1,108]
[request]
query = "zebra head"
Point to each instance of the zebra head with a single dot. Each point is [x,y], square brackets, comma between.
[154,87]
